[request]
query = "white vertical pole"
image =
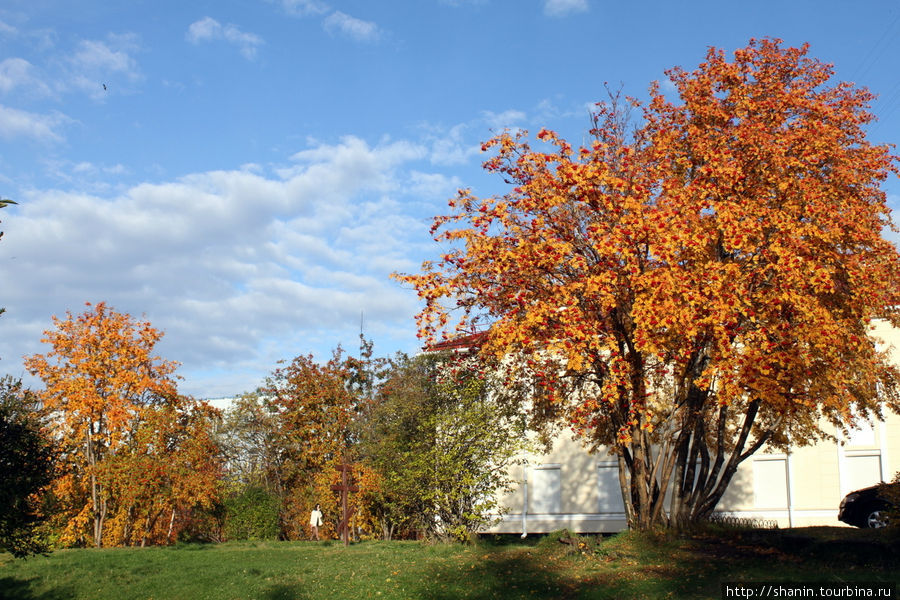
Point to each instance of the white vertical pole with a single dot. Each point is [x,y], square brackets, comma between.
[790,488]
[525,500]
[842,466]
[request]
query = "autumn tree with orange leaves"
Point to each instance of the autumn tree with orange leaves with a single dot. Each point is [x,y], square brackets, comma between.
[105,390]
[312,406]
[693,289]
[170,471]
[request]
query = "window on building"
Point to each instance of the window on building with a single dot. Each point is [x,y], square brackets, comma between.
[610,494]
[545,492]
[862,435]
[770,489]
[861,470]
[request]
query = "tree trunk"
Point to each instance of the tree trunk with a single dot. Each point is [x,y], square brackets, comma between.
[129,527]
[149,523]
[98,504]
[171,526]
[625,487]
[640,481]
[387,530]
[698,461]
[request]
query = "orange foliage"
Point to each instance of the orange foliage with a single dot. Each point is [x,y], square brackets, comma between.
[170,469]
[116,411]
[706,284]
[314,408]
[363,523]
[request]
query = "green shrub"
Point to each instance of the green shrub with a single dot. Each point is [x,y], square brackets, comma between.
[252,514]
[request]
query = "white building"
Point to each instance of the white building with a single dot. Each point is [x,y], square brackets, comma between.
[570,488]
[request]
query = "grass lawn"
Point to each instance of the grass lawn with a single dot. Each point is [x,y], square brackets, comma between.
[628,565]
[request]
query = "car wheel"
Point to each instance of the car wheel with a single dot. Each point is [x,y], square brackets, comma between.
[876,519]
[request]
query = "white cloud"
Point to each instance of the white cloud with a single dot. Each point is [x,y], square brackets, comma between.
[7,29]
[16,123]
[85,167]
[304,8]
[87,66]
[353,157]
[240,269]
[355,29]
[204,30]
[43,39]
[450,147]
[208,29]
[85,176]
[246,41]
[564,8]
[19,73]
[252,168]
[337,22]
[504,120]
[13,72]
[433,185]
[668,86]
[95,63]
[97,55]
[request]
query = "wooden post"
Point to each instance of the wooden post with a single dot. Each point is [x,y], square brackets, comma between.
[345,487]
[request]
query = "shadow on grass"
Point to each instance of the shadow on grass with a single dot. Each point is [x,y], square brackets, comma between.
[192,546]
[283,592]
[696,565]
[636,565]
[520,574]
[20,589]
[812,546]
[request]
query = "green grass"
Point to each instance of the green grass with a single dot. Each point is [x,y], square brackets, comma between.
[628,565]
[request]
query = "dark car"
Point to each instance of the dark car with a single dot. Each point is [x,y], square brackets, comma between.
[869,506]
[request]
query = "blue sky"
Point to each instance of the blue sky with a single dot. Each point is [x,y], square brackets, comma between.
[254,169]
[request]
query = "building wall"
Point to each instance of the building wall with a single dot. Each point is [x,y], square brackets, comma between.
[570,488]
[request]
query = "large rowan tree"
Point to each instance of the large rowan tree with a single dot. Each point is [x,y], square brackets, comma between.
[100,376]
[696,288]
